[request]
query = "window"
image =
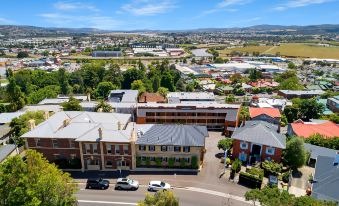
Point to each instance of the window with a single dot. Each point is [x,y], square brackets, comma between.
[142,147]
[164,159]
[109,148]
[71,143]
[109,163]
[177,149]
[151,148]
[152,159]
[186,149]
[95,148]
[126,150]
[243,145]
[270,150]
[177,159]
[88,148]
[143,158]
[163,148]
[38,142]
[55,143]
[170,148]
[187,159]
[73,156]
[117,149]
[56,156]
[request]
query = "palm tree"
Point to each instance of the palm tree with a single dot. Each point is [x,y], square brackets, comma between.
[103,107]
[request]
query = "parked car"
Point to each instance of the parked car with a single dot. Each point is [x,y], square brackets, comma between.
[126,184]
[97,184]
[158,185]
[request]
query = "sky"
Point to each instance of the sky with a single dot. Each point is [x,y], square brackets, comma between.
[167,14]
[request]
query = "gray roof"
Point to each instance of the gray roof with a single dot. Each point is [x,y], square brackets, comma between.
[232,115]
[326,178]
[7,117]
[172,134]
[303,92]
[260,132]
[190,96]
[4,130]
[130,96]
[82,126]
[201,53]
[319,151]
[6,150]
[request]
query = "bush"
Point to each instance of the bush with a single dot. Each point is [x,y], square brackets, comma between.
[271,168]
[236,165]
[194,162]
[182,162]
[148,162]
[286,177]
[138,161]
[158,161]
[171,162]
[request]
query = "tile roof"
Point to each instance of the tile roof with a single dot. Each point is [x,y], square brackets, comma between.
[326,178]
[272,112]
[260,132]
[327,129]
[172,134]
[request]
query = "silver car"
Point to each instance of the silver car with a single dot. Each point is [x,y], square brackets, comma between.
[126,184]
[158,185]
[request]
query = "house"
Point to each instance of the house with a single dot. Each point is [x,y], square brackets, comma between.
[7,151]
[333,103]
[258,141]
[151,97]
[325,128]
[316,151]
[326,111]
[221,117]
[98,141]
[178,97]
[271,115]
[325,178]
[303,94]
[123,96]
[270,103]
[161,143]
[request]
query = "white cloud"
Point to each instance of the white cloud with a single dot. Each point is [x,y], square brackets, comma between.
[299,3]
[73,21]
[71,6]
[148,7]
[6,21]
[222,6]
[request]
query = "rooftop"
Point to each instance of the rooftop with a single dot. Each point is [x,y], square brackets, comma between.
[125,96]
[6,150]
[327,129]
[272,112]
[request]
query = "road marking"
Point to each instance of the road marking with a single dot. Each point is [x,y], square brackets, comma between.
[107,202]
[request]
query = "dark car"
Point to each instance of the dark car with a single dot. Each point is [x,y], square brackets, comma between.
[97,184]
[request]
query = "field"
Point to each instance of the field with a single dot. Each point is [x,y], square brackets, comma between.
[290,50]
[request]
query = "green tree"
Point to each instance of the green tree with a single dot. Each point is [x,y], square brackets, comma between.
[291,65]
[291,113]
[225,144]
[138,85]
[113,75]
[51,91]
[22,54]
[310,109]
[168,82]
[72,105]
[103,89]
[63,81]
[161,198]
[291,83]
[254,75]
[103,106]
[294,155]
[45,53]
[230,98]
[34,181]
[163,91]
[131,75]
[15,96]
[156,83]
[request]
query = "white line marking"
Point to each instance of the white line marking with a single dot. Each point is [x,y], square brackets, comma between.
[107,202]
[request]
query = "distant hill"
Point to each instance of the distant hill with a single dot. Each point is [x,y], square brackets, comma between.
[14,31]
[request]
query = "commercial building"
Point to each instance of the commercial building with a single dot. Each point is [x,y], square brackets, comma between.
[224,117]
[101,141]
[170,145]
[187,97]
[303,94]
[123,96]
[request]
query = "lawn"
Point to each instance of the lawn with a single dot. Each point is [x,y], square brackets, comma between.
[291,50]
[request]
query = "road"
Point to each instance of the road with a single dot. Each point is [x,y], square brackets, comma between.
[186,196]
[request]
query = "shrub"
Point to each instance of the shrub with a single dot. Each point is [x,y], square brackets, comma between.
[182,162]
[158,161]
[236,165]
[138,161]
[171,162]
[194,162]
[271,167]
[148,162]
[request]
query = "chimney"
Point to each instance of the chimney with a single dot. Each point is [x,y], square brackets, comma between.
[65,122]
[89,97]
[31,124]
[336,159]
[119,125]
[46,115]
[100,133]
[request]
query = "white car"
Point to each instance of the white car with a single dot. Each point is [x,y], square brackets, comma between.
[126,184]
[158,185]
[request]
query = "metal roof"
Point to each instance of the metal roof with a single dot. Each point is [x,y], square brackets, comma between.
[171,134]
[319,151]
[6,150]
[130,96]
[326,179]
[7,117]
[260,132]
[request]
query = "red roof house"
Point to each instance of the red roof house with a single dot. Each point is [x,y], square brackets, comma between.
[301,129]
[271,115]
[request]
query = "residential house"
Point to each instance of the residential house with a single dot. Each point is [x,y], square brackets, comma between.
[325,128]
[271,115]
[258,141]
[325,178]
[303,94]
[170,145]
[316,151]
[123,96]
[102,141]
[333,104]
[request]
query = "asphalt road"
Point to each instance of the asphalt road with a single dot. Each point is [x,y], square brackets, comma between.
[187,197]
